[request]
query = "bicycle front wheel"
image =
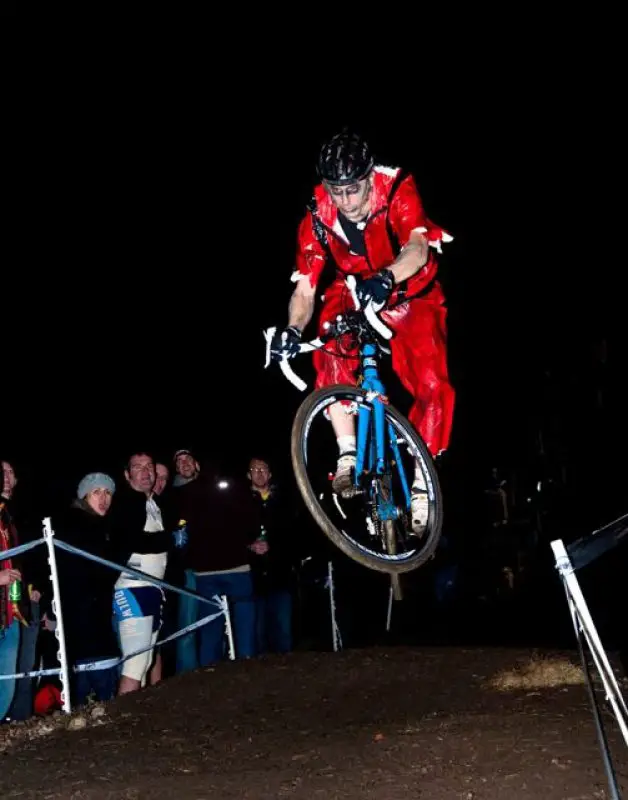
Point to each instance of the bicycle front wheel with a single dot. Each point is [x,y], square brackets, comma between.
[356,526]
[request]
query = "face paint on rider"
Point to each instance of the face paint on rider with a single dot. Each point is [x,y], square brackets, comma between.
[354,201]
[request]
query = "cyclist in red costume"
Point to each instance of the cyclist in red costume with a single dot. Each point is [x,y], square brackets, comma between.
[368,220]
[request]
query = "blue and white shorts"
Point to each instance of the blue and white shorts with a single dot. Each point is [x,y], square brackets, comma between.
[138,612]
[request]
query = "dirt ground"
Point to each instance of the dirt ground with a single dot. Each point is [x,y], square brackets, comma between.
[376,724]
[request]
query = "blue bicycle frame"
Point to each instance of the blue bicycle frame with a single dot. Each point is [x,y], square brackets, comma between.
[371,449]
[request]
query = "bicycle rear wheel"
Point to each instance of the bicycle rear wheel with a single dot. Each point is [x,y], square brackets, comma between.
[313,451]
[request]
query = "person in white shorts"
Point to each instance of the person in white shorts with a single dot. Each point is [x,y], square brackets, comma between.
[142,543]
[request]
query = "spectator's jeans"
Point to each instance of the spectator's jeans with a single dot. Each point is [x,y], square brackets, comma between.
[187,656]
[22,707]
[274,622]
[9,646]
[103,682]
[238,588]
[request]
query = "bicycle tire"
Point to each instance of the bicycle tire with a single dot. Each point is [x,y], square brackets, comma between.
[307,410]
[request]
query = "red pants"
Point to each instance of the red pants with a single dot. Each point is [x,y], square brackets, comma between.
[419,357]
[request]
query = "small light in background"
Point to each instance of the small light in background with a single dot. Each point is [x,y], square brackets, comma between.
[223,484]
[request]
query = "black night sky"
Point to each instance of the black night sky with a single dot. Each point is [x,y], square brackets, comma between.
[155,239]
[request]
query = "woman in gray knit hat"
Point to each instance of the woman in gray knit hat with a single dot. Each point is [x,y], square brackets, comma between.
[96,491]
[87,587]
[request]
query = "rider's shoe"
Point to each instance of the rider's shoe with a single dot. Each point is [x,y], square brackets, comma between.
[419,508]
[343,483]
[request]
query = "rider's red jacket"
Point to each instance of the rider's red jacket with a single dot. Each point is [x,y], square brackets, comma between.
[396,211]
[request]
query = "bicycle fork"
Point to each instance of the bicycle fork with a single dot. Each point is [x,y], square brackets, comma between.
[372,386]
[371,440]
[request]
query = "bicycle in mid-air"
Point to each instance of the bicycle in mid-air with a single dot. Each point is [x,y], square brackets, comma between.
[371,523]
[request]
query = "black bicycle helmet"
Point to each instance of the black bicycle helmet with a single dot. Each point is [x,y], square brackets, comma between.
[345,158]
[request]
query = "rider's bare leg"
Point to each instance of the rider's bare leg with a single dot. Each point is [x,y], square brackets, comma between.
[344,428]
[342,423]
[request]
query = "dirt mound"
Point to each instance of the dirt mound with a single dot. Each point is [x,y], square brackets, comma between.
[381,724]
